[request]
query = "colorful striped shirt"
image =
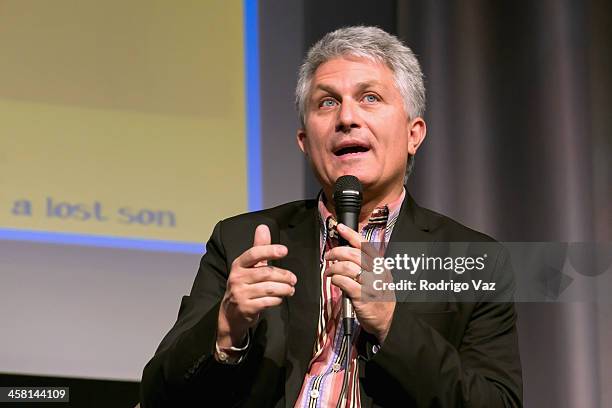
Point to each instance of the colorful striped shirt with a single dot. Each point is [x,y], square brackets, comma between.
[323,381]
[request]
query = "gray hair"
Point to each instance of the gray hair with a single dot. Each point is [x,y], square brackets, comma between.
[377,45]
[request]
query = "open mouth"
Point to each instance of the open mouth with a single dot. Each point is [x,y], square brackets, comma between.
[351,150]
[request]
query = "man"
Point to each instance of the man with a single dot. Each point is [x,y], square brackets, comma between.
[261,325]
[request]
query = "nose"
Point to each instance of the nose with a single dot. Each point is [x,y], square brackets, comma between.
[348,117]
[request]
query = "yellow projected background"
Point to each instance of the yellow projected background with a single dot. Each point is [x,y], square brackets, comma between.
[121,118]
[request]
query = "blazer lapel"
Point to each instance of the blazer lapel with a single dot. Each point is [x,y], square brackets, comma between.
[302,239]
[411,226]
[416,226]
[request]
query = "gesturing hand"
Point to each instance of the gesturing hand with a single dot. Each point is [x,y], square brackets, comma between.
[252,286]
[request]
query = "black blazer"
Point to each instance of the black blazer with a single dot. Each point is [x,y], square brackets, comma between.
[435,354]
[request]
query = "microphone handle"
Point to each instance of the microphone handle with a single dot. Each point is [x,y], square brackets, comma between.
[351,220]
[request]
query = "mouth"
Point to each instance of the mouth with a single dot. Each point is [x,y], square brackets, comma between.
[347,150]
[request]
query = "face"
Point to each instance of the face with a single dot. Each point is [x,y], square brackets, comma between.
[355,123]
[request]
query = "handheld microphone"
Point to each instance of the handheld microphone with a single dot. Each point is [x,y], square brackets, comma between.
[348,195]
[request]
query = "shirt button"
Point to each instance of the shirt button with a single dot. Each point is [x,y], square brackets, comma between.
[314,394]
[336,367]
[375,349]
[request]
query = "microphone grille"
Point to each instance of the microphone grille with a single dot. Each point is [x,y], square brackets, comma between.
[347,183]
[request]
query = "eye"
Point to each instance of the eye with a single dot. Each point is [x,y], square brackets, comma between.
[370,98]
[328,103]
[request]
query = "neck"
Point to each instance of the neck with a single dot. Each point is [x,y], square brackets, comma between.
[371,200]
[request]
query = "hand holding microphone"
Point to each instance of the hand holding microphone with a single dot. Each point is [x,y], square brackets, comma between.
[374,317]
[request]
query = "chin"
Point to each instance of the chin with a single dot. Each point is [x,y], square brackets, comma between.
[365,175]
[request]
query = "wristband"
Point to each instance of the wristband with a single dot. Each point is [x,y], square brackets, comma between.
[227,355]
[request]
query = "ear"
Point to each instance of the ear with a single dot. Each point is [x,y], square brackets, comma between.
[417,130]
[301,140]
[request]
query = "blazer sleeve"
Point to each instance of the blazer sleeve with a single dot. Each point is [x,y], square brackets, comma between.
[184,371]
[420,366]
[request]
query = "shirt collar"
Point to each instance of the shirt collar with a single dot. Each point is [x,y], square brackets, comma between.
[378,217]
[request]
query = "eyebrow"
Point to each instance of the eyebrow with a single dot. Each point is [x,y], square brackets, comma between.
[360,86]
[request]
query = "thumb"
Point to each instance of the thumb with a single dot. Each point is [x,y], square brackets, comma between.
[262,237]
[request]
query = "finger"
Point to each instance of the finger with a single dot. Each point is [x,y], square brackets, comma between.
[368,250]
[270,274]
[256,254]
[262,237]
[265,302]
[373,249]
[351,236]
[344,254]
[343,268]
[267,289]
[363,260]
[351,288]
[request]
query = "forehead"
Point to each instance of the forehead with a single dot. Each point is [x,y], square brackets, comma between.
[347,71]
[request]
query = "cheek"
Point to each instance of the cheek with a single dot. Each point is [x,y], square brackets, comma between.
[315,144]
[392,135]
[393,141]
[315,150]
